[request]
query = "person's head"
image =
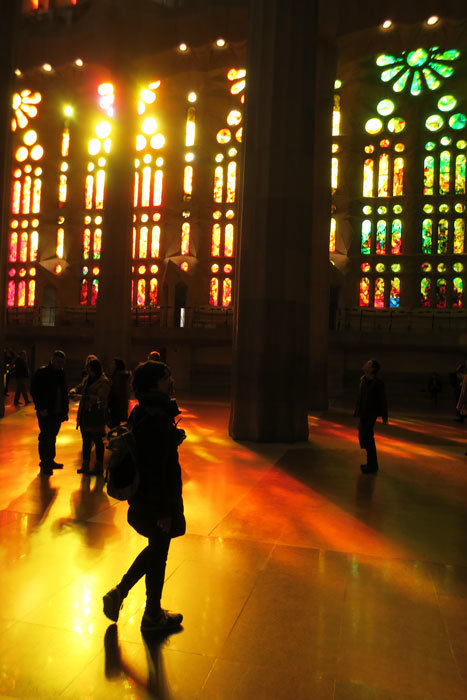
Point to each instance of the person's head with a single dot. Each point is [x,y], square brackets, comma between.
[94,368]
[154,356]
[89,358]
[371,368]
[152,376]
[58,359]
[117,365]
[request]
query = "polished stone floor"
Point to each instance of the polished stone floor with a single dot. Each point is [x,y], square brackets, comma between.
[299,578]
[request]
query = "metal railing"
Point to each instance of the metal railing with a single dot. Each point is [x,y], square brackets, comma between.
[400,321]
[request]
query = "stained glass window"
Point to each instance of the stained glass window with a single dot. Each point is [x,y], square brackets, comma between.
[459,233]
[395,293]
[460,174]
[381,237]
[214,291]
[457,291]
[444,172]
[332,236]
[364,291]
[383,175]
[427,236]
[379,293]
[441,286]
[443,230]
[396,236]
[366,237]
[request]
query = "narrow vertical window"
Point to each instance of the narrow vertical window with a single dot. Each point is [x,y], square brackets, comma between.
[398,178]
[218,183]
[332,236]
[153,292]
[136,190]
[16,197]
[231,181]
[97,244]
[11,293]
[396,237]
[141,292]
[83,292]
[214,291]
[364,291]
[444,172]
[227,292]
[427,236]
[185,242]
[146,186]
[366,237]
[457,291]
[395,293]
[443,230]
[88,193]
[26,199]
[157,197]
[190,127]
[368,177]
[36,196]
[60,242]
[155,243]
[336,116]
[86,243]
[94,291]
[13,254]
[143,242]
[31,292]
[62,189]
[460,174]
[379,293]
[100,189]
[229,241]
[441,293]
[22,293]
[23,247]
[459,228]
[381,237]
[334,173]
[188,182]
[34,246]
[216,241]
[428,175]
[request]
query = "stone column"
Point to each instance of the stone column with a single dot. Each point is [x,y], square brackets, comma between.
[10,14]
[272,316]
[113,313]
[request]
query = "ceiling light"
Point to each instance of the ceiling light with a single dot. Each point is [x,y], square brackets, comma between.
[387,24]
[47,67]
[434,19]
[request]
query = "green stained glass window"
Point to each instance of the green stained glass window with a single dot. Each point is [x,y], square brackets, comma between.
[396,267]
[373,126]
[391,73]
[386,60]
[444,172]
[441,267]
[425,291]
[396,236]
[416,86]
[425,267]
[432,82]
[401,82]
[380,267]
[381,237]
[443,231]
[396,125]
[382,210]
[428,208]
[457,290]
[441,69]
[461,145]
[449,55]
[458,267]
[385,107]
[435,122]
[427,236]
[441,293]
[460,174]
[428,175]
[457,121]
[447,103]
[459,235]
[446,140]
[366,237]
[397,209]
[459,207]
[430,146]
[337,84]
[417,58]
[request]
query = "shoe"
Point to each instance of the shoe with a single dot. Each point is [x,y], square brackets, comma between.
[113,602]
[56,465]
[84,469]
[365,469]
[165,620]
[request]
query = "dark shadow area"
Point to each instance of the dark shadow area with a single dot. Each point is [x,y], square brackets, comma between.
[34,504]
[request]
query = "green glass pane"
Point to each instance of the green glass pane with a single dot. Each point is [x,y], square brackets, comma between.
[425,291]
[449,55]
[435,122]
[427,235]
[430,146]
[461,145]
[441,267]
[457,121]
[444,174]
[380,267]
[441,293]
[391,73]
[387,60]
[416,86]
[428,208]
[446,140]
[431,79]
[417,57]
[426,267]
[444,71]
[366,237]
[396,267]
[385,107]
[458,267]
[367,210]
[401,82]
[382,210]
[444,208]
[397,209]
[373,126]
[443,228]
[396,237]
[460,174]
[396,125]
[446,103]
[428,175]
[459,207]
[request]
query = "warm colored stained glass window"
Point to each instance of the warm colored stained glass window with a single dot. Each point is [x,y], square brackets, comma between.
[441,286]
[153,292]
[146,186]
[398,177]
[379,293]
[13,254]
[443,230]
[62,188]
[86,243]
[23,247]
[216,241]
[143,242]
[383,175]
[22,293]
[11,293]
[89,191]
[141,292]
[157,198]
[16,197]
[97,244]
[427,236]
[155,242]
[83,292]
[94,291]
[459,235]
[336,116]
[214,291]
[457,291]
[334,173]
[231,181]
[460,174]
[218,183]
[364,291]
[60,242]
[368,177]
[188,182]
[332,236]
[31,292]
[429,169]
[366,237]
[444,172]
[425,292]
[136,189]
[227,292]
[185,242]
[395,293]
[34,246]
[190,127]
[381,237]
[100,189]
[26,203]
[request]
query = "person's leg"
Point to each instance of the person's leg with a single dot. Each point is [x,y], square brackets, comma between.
[24,390]
[136,571]
[17,392]
[46,438]
[367,442]
[158,547]
[87,444]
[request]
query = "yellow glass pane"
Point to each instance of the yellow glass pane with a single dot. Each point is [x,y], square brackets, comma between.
[34,246]
[65,150]
[146,186]
[229,241]
[190,127]
[143,242]
[157,197]
[231,181]
[188,181]
[227,292]
[62,188]
[100,189]
[216,241]
[218,183]
[155,243]
[214,291]
[88,193]
[185,243]
[26,198]
[60,242]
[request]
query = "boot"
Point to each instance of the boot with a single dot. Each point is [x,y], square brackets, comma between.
[84,467]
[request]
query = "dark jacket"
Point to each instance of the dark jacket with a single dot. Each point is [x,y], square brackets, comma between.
[49,391]
[119,396]
[21,368]
[94,394]
[159,494]
[371,401]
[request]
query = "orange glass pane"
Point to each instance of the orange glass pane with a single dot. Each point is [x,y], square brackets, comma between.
[216,241]
[100,189]
[136,190]
[86,243]
[141,292]
[36,196]
[97,244]
[229,241]
[157,196]
[16,197]
[23,247]
[60,242]
[218,183]
[83,292]
[398,179]
[185,244]
[156,240]
[133,249]
[368,177]
[379,293]
[332,236]
[383,175]
[143,242]
[188,181]
[364,291]
[11,293]
[227,292]
[214,291]
[13,254]
[146,186]
[94,292]
[88,196]
[334,173]
[31,292]
[22,293]
[153,292]
[190,127]
[231,181]
[336,116]
[65,151]
[62,189]
[26,199]
[34,246]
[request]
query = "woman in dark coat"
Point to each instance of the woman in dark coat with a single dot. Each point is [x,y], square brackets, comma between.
[156,510]
[119,393]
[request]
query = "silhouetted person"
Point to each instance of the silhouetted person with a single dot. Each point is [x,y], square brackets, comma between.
[119,393]
[8,366]
[154,356]
[22,375]
[156,509]
[50,395]
[434,387]
[461,371]
[371,403]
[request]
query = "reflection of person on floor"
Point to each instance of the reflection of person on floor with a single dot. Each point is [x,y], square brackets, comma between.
[156,509]
[50,395]
[371,403]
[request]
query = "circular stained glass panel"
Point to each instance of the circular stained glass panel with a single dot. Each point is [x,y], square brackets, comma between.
[369,149]
[444,208]
[425,267]
[385,143]
[459,207]
[461,145]
[396,267]
[457,121]
[380,267]
[447,103]
[396,125]
[399,147]
[397,209]
[458,267]
[441,267]
[367,210]
[435,122]
[373,126]
[428,208]
[365,267]
[446,140]
[382,210]
[430,146]
[417,57]
[385,107]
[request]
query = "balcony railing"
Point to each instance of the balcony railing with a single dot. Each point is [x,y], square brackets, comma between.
[400,321]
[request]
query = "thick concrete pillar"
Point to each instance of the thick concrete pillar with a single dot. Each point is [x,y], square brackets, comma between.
[271,323]
[113,313]
[10,14]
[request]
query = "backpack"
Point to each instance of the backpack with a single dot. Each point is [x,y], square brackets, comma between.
[122,474]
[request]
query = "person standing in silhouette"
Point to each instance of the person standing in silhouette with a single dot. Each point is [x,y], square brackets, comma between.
[371,403]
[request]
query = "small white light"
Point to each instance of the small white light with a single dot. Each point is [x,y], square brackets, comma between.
[79,62]
[68,111]
[189,157]
[18,72]
[220,43]
[434,19]
[47,67]
[192,97]
[183,47]
[387,24]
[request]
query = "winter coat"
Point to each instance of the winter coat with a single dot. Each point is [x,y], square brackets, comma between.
[21,368]
[118,397]
[159,494]
[371,401]
[49,391]
[94,395]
